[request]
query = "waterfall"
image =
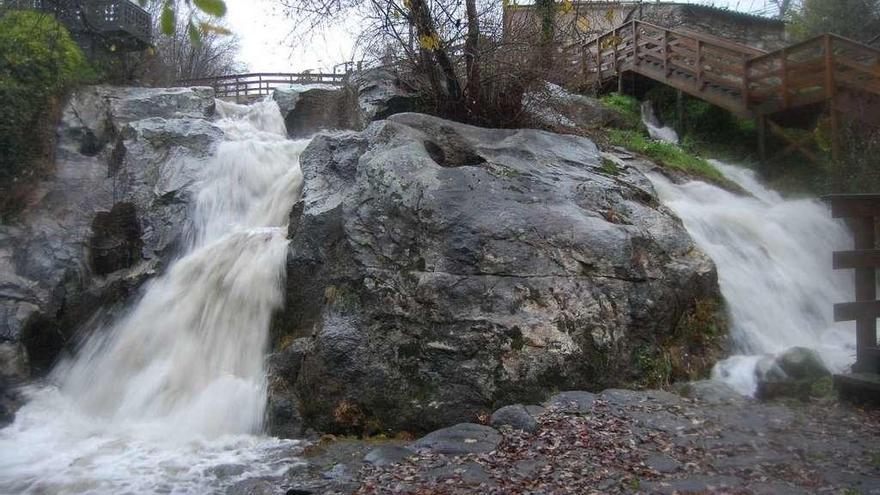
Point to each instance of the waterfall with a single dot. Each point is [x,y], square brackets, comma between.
[656,129]
[177,387]
[774,268]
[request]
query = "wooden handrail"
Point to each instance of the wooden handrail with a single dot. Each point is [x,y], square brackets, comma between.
[301,75]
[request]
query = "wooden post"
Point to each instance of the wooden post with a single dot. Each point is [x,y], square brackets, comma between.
[620,83]
[746,84]
[866,290]
[700,83]
[762,137]
[636,59]
[614,40]
[783,67]
[679,113]
[831,96]
[665,53]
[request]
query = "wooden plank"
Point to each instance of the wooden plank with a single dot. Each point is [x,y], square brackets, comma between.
[871,70]
[854,206]
[853,311]
[866,293]
[859,258]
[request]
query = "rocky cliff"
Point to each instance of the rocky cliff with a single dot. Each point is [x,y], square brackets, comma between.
[110,215]
[438,270]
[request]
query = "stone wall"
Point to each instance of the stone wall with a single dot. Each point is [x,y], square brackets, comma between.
[587,20]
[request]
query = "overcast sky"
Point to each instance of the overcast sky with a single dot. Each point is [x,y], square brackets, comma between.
[266,45]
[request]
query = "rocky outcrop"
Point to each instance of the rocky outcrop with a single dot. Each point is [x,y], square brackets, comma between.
[370,95]
[552,107]
[381,93]
[439,270]
[310,109]
[108,217]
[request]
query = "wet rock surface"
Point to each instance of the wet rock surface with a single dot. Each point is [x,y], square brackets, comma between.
[798,372]
[310,109]
[381,93]
[108,217]
[439,270]
[554,108]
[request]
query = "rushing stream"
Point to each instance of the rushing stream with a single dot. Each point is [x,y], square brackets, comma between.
[173,394]
[774,267]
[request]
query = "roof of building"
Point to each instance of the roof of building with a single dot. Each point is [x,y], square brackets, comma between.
[692,6]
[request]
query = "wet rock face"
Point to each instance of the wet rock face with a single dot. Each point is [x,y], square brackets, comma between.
[554,108]
[312,109]
[116,239]
[114,209]
[439,270]
[381,94]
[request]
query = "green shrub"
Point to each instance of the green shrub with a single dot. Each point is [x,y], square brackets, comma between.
[38,63]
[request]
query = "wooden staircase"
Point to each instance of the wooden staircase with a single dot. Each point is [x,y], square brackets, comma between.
[749,82]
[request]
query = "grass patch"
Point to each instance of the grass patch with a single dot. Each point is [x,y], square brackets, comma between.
[628,107]
[666,154]
[608,167]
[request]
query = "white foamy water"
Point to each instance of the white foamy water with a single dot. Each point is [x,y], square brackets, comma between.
[174,391]
[656,130]
[774,268]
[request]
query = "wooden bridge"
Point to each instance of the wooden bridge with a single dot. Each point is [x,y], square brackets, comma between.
[261,84]
[828,69]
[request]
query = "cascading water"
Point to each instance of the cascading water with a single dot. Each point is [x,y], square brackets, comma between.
[774,269]
[177,387]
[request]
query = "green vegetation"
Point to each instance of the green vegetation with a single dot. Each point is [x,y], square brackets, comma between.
[666,154]
[627,106]
[39,62]
[856,19]
[708,130]
[609,167]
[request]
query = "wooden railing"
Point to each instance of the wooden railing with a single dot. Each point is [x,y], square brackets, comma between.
[812,71]
[862,211]
[257,84]
[737,77]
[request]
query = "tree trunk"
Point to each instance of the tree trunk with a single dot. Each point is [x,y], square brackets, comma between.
[546,10]
[472,57]
[430,41]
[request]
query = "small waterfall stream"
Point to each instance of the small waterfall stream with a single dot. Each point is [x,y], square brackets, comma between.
[774,267]
[176,389]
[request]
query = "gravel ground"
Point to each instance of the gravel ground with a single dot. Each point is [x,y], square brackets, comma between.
[655,442]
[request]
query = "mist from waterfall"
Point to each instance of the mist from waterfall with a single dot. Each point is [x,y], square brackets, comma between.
[177,386]
[774,268]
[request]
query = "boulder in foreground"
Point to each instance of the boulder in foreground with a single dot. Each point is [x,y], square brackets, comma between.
[439,271]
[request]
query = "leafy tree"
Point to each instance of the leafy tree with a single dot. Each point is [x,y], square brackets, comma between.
[856,19]
[38,62]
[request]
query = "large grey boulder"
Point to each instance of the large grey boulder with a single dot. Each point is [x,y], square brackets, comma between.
[313,108]
[382,93]
[464,438]
[439,270]
[554,108]
[107,218]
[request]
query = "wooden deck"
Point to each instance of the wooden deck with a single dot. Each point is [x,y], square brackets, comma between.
[827,69]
